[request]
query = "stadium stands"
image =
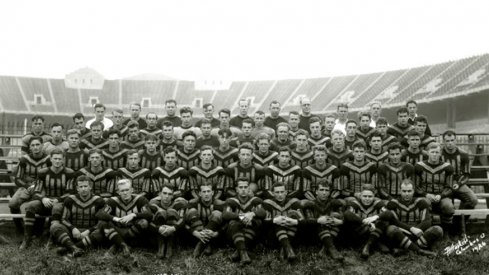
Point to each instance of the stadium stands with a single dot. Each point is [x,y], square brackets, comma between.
[391,88]
[256,92]
[308,88]
[67,100]
[11,99]
[37,94]
[157,91]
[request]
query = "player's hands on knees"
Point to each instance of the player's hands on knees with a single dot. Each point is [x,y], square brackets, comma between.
[248,217]
[416,231]
[280,220]
[76,233]
[128,218]
[48,203]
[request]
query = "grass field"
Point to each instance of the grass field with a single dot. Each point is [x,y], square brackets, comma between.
[40,260]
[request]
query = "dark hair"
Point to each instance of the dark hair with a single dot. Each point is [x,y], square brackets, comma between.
[56,124]
[342,105]
[205,106]
[151,113]
[131,151]
[277,184]
[38,138]
[225,132]
[135,104]
[186,110]
[73,132]
[375,133]
[226,111]
[78,116]
[167,123]
[37,117]
[150,137]
[57,151]
[284,149]
[188,133]
[394,146]
[294,113]
[315,119]
[382,120]
[249,121]
[169,150]
[113,131]
[402,110]
[413,133]
[274,102]
[422,119]
[359,144]
[351,121]
[206,147]
[205,121]
[99,105]
[449,133]
[95,151]
[367,114]
[171,101]
[97,124]
[245,145]
[132,124]
[411,101]
[83,178]
[302,132]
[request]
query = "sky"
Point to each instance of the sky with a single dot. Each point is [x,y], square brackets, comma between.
[236,40]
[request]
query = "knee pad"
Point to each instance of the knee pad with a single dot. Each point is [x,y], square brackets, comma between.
[143,223]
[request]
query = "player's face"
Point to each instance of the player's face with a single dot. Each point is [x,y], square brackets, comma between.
[322,192]
[35,146]
[96,132]
[224,117]
[151,121]
[315,129]
[170,159]
[246,129]
[224,140]
[294,120]
[57,133]
[208,112]
[434,154]
[342,113]
[79,123]
[166,195]
[263,145]
[186,119]
[170,108]
[73,140]
[306,106]
[382,128]
[412,109]
[420,127]
[367,197]
[167,132]
[282,133]
[135,110]
[351,129]
[245,156]
[133,133]
[284,158]
[407,192]
[37,126]
[338,141]
[57,160]
[117,118]
[95,160]
[279,193]
[414,142]
[259,119]
[376,143]
[375,110]
[402,119]
[274,109]
[114,140]
[83,188]
[133,160]
[320,157]
[301,142]
[395,156]
[206,193]
[150,145]
[243,108]
[206,129]
[364,122]
[99,113]
[329,123]
[449,141]
[206,156]
[243,189]
[125,191]
[359,154]
[189,143]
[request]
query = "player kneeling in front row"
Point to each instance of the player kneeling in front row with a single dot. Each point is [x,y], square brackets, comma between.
[244,213]
[126,217]
[283,214]
[79,222]
[410,222]
[326,215]
[204,218]
[167,219]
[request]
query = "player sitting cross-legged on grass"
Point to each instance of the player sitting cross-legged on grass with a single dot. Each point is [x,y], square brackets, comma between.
[410,222]
[244,213]
[283,217]
[79,219]
[204,218]
[326,215]
[126,217]
[167,219]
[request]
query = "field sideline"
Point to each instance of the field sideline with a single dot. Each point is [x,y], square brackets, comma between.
[39,260]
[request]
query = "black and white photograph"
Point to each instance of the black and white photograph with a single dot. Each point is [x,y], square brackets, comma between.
[244,137]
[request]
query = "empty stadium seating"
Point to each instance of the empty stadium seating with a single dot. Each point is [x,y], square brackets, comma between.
[11,99]
[391,88]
